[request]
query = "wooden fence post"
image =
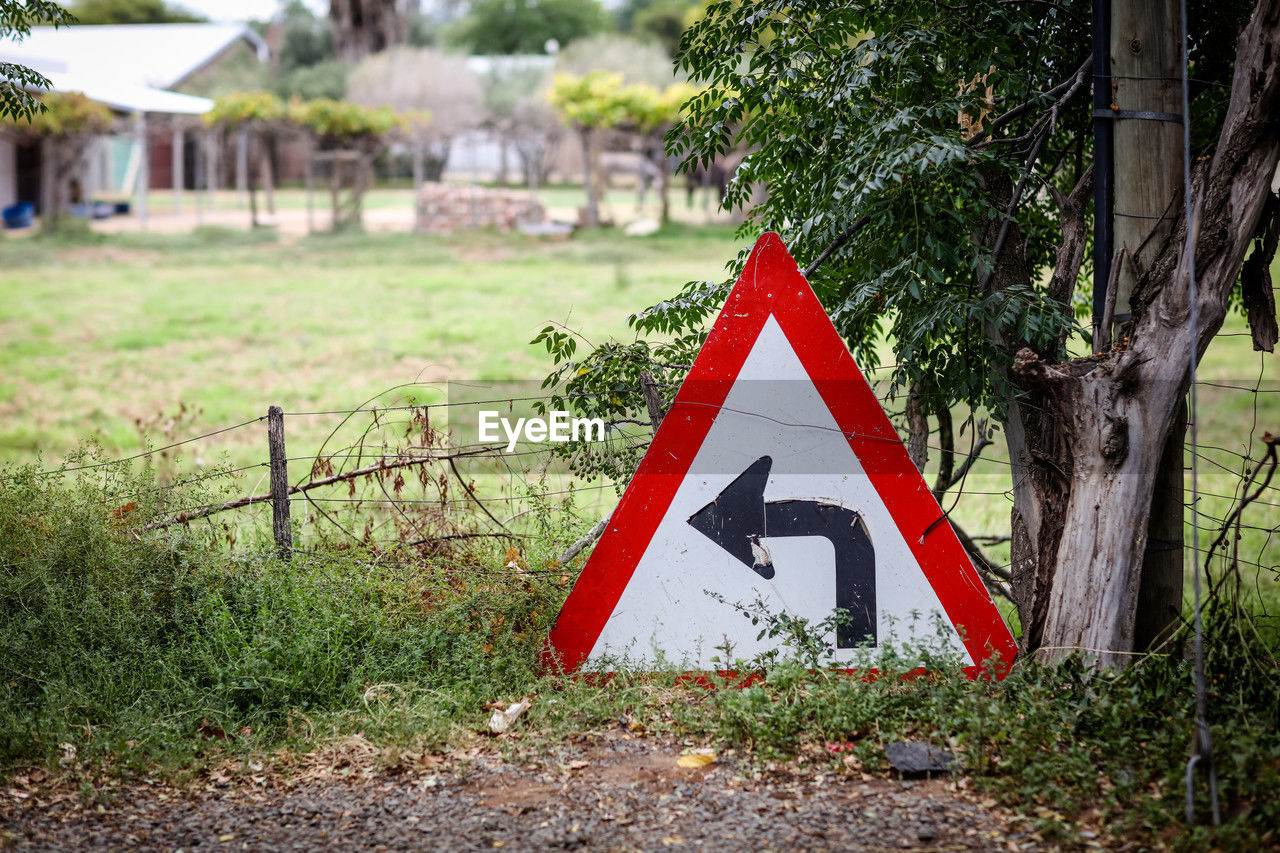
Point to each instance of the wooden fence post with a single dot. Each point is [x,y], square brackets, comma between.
[279,482]
[652,398]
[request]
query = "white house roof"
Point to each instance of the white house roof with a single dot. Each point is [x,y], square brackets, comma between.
[130,97]
[158,56]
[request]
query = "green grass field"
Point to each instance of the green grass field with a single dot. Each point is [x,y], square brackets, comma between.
[176,335]
[96,338]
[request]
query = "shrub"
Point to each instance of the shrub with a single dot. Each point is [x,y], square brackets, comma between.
[123,641]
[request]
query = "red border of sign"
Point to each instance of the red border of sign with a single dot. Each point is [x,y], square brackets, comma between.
[772,285]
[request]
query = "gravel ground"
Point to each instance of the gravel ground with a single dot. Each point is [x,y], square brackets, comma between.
[615,793]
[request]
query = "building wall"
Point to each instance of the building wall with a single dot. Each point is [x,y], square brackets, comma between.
[8,173]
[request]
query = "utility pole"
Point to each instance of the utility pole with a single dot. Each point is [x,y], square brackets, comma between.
[1146,106]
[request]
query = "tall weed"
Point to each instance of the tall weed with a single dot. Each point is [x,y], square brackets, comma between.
[119,640]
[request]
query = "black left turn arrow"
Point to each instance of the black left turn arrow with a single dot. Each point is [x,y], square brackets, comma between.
[739,518]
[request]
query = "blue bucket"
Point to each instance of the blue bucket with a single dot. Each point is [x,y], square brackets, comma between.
[20,215]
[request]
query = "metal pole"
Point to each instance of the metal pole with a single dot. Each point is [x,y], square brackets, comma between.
[1147,149]
[1102,163]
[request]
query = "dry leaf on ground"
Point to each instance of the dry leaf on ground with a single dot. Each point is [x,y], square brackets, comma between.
[501,719]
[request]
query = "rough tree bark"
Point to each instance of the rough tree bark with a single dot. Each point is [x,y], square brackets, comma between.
[364,27]
[1086,438]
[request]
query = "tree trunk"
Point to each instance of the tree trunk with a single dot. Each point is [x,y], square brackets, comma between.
[591,213]
[268,174]
[364,27]
[253,181]
[1086,441]
[664,183]
[417,181]
[504,167]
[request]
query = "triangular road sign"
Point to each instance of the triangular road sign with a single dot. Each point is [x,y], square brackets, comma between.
[776,479]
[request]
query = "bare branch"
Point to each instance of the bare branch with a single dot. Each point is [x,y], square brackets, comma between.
[1070,255]
[974,453]
[1070,85]
[947,444]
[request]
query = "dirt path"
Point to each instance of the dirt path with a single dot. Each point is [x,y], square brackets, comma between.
[613,794]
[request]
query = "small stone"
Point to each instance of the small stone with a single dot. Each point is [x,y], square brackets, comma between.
[642,228]
[915,757]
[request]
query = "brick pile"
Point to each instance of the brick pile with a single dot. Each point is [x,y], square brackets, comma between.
[449,207]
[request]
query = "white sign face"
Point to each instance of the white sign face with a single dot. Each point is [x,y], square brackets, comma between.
[680,602]
[776,486]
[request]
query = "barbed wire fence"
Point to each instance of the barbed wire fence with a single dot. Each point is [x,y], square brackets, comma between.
[392,480]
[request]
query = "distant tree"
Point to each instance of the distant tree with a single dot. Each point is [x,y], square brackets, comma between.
[408,79]
[635,60]
[517,112]
[305,38]
[365,27]
[625,12]
[326,79]
[303,60]
[664,22]
[651,114]
[590,104]
[260,115]
[68,122]
[353,135]
[526,26]
[17,81]
[133,12]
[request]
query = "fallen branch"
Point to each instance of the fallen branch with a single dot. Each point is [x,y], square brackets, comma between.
[583,541]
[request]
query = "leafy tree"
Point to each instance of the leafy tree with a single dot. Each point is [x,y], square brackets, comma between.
[651,113]
[260,115]
[245,109]
[69,122]
[525,26]
[341,124]
[326,79]
[304,63]
[352,135]
[407,80]
[17,81]
[133,12]
[590,104]
[305,39]
[598,101]
[931,165]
